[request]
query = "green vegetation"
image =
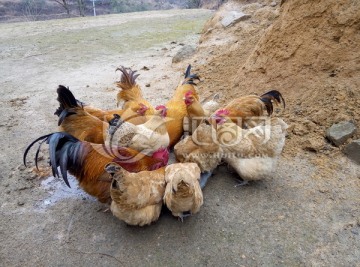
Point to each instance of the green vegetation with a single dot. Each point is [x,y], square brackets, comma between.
[72,42]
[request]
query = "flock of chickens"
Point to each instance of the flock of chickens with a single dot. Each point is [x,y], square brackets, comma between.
[121,156]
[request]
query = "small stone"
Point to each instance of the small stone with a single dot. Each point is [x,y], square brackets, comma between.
[352,151]
[273,4]
[340,132]
[21,203]
[147,85]
[233,17]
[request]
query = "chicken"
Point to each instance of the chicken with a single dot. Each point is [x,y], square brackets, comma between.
[176,107]
[148,138]
[86,161]
[152,135]
[130,91]
[210,104]
[254,152]
[135,114]
[201,148]
[74,120]
[136,197]
[243,109]
[197,111]
[183,195]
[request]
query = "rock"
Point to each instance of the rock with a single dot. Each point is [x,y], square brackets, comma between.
[273,4]
[185,52]
[340,132]
[352,150]
[233,17]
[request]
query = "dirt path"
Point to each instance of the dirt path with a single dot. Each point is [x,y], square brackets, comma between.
[306,215]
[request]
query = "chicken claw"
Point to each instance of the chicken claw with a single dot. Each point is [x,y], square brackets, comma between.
[184,215]
[204,178]
[242,183]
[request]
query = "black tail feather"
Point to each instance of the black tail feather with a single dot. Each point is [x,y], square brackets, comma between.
[42,139]
[190,78]
[67,102]
[188,71]
[65,152]
[270,97]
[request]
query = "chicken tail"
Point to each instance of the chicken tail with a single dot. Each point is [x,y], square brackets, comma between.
[68,103]
[190,78]
[129,89]
[270,97]
[66,152]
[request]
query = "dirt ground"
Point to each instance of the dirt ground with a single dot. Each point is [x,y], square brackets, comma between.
[308,214]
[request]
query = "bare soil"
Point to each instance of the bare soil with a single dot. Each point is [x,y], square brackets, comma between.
[308,214]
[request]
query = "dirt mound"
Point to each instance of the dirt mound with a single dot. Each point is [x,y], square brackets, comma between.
[309,50]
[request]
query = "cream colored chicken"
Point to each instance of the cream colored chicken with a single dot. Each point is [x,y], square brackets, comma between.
[148,138]
[254,152]
[137,198]
[183,195]
[200,148]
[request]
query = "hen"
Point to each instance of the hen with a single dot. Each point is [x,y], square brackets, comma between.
[201,148]
[136,197]
[86,161]
[197,111]
[176,107]
[150,137]
[183,195]
[254,152]
[245,108]
[135,114]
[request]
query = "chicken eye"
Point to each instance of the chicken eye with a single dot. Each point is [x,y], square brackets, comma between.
[114,184]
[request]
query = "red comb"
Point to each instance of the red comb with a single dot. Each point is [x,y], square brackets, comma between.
[222,112]
[160,107]
[188,93]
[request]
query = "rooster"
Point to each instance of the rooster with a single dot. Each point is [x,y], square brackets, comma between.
[246,107]
[183,195]
[76,121]
[136,197]
[176,107]
[130,92]
[86,161]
